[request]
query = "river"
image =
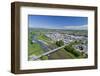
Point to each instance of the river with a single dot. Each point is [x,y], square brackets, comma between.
[44,46]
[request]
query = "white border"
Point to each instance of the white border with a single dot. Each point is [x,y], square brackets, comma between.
[24,64]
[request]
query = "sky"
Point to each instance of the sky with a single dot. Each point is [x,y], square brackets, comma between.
[58,22]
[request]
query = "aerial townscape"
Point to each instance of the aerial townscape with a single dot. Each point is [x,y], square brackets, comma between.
[49,44]
[57,37]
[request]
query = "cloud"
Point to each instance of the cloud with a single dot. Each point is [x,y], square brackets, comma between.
[82,27]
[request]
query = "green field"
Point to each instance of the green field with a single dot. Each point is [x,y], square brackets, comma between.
[61,54]
[35,49]
[41,36]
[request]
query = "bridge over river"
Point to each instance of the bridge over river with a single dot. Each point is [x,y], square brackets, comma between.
[47,53]
[45,47]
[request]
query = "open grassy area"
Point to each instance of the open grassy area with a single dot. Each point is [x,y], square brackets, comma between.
[41,36]
[34,49]
[61,54]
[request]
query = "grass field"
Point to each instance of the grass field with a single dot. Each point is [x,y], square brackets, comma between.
[41,36]
[34,49]
[61,54]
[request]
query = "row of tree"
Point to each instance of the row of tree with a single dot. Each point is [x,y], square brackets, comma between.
[72,50]
[68,48]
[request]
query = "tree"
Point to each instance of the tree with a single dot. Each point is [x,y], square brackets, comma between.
[80,47]
[86,56]
[44,57]
[72,50]
[59,43]
[69,48]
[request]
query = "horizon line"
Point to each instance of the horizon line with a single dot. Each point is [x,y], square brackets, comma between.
[56,28]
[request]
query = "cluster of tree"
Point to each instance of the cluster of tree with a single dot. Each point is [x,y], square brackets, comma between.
[84,54]
[59,43]
[44,58]
[72,50]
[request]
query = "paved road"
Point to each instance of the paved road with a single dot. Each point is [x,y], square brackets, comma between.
[46,53]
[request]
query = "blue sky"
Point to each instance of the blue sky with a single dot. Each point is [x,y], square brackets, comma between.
[58,22]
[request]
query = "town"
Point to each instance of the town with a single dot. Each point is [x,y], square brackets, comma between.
[56,36]
[57,44]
